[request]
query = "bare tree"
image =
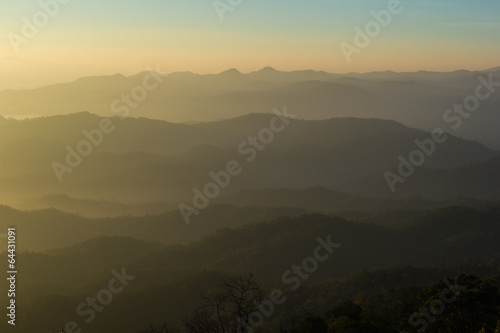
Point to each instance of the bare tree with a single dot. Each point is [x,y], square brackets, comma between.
[293,316]
[227,309]
[202,321]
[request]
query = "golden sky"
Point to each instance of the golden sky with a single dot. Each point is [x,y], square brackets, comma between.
[90,38]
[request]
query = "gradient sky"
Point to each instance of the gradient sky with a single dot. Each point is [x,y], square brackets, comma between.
[90,37]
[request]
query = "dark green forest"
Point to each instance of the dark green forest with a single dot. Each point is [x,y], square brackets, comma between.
[379,274]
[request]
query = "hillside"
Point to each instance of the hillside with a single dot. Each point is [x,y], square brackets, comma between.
[417,99]
[151,162]
[477,180]
[454,239]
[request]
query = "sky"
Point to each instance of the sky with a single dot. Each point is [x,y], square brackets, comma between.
[90,37]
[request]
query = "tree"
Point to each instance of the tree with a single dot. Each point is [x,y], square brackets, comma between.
[227,309]
[348,309]
[292,319]
[313,324]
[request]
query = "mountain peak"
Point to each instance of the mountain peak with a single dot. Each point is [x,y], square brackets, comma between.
[232,71]
[268,69]
[496,69]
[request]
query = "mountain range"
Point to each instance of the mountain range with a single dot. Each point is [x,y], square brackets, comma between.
[153,162]
[416,99]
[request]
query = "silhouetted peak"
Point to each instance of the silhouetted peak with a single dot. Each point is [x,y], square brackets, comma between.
[496,69]
[384,72]
[77,116]
[231,72]
[268,70]
[100,78]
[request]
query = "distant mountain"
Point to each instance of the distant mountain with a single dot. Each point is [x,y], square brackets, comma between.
[417,99]
[321,199]
[167,228]
[272,75]
[496,69]
[93,208]
[478,180]
[146,161]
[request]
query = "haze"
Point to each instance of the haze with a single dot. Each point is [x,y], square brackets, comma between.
[244,166]
[95,38]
